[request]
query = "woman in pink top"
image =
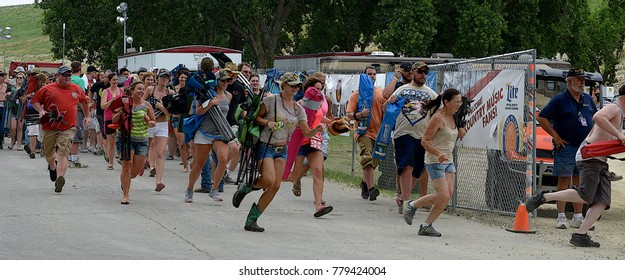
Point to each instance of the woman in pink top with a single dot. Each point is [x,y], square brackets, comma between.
[316,108]
[108,96]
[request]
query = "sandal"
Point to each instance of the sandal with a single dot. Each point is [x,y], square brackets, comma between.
[170,157]
[110,167]
[159,187]
[324,210]
[125,201]
[297,189]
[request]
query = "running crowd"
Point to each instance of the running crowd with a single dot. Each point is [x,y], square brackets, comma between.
[128,117]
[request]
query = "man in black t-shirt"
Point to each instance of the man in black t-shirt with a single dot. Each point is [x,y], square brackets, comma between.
[95,96]
[403,76]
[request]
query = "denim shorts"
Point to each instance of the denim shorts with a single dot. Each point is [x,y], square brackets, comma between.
[271,151]
[305,150]
[438,170]
[564,164]
[140,147]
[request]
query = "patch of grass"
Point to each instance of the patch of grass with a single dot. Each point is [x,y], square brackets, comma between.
[28,42]
[338,166]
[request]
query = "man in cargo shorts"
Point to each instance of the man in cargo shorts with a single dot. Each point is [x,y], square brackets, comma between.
[57,106]
[596,186]
[366,141]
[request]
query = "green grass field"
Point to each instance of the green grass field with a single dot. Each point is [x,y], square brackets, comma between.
[28,42]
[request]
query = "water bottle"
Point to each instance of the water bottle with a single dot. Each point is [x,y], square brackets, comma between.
[363,124]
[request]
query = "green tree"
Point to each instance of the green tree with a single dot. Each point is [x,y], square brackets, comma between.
[607,26]
[408,27]
[260,24]
[480,29]
[522,32]
[332,25]
[93,35]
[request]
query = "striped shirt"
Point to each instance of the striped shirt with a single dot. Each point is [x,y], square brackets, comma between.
[139,130]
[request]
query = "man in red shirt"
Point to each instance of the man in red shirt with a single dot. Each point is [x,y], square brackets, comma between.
[56,104]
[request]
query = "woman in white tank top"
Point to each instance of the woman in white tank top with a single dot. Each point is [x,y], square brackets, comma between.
[439,141]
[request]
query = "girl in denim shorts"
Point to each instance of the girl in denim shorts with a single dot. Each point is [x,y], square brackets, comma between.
[439,141]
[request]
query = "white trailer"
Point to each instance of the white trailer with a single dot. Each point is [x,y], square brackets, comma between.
[169,58]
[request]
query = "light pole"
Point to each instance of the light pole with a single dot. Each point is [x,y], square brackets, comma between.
[5,34]
[64,43]
[123,9]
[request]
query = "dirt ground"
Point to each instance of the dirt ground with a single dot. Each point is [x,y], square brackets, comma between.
[609,230]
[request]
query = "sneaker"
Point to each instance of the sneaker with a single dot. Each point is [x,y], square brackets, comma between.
[409,212]
[583,240]
[53,172]
[614,177]
[365,190]
[214,194]
[373,194]
[84,150]
[561,223]
[428,231]
[77,164]
[576,222]
[534,201]
[93,150]
[58,184]
[32,155]
[229,180]
[188,196]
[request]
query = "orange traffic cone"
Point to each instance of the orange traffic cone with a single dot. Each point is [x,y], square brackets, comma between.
[521,221]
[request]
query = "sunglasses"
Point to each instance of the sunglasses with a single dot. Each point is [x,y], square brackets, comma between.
[66,75]
[20,78]
[421,71]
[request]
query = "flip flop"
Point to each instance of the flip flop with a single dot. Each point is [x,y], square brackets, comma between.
[323,211]
[110,167]
[159,187]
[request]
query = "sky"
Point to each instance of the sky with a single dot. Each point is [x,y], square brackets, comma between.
[15,2]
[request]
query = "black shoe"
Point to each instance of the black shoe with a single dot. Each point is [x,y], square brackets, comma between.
[583,240]
[428,231]
[534,201]
[254,227]
[58,185]
[27,149]
[53,172]
[32,155]
[373,194]
[202,190]
[365,190]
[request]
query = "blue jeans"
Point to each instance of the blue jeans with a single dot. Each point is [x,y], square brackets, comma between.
[2,130]
[207,179]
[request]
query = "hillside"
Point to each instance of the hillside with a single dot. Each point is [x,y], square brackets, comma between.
[27,42]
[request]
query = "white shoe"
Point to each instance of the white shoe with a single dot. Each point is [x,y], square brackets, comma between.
[576,222]
[561,223]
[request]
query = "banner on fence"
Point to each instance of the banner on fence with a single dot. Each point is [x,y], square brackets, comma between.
[496,119]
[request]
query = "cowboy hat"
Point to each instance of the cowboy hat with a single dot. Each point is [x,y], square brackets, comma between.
[340,126]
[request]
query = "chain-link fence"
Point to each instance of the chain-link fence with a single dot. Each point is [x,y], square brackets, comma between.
[495,170]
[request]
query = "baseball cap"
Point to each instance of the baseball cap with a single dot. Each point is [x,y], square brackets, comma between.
[291,79]
[142,69]
[222,75]
[420,64]
[406,66]
[576,73]
[64,69]
[19,69]
[163,72]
